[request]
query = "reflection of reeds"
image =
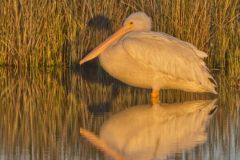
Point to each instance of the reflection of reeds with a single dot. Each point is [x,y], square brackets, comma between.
[34,33]
[39,116]
[41,113]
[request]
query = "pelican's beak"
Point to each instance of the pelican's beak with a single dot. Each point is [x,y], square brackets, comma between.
[116,36]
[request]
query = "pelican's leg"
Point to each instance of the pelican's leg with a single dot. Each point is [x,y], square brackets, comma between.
[155,96]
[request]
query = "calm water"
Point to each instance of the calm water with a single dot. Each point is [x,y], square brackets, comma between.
[42,112]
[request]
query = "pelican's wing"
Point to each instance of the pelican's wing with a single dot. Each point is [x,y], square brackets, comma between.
[171,56]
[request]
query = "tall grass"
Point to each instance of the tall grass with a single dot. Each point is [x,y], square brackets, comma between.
[37,33]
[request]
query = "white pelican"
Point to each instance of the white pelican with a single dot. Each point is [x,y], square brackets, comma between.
[146,133]
[142,58]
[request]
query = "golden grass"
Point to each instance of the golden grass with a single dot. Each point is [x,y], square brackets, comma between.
[48,107]
[40,33]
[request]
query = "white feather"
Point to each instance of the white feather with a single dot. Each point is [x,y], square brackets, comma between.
[168,55]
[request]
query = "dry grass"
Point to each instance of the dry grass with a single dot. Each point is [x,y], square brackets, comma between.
[37,33]
[53,104]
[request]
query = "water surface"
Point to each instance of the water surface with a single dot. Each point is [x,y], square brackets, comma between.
[42,111]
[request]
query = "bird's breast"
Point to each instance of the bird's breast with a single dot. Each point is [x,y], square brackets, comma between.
[119,64]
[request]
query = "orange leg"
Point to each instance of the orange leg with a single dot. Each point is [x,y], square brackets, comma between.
[155,96]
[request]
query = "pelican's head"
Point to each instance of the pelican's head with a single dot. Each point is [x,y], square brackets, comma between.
[138,21]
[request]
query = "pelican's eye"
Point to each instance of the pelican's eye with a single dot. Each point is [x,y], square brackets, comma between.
[131,23]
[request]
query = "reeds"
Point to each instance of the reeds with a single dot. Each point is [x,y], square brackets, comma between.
[37,33]
[54,104]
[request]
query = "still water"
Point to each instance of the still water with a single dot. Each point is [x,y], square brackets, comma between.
[42,111]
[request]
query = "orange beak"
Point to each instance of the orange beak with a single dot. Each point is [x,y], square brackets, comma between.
[108,42]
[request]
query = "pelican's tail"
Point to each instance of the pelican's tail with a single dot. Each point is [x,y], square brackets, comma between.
[207,82]
[210,84]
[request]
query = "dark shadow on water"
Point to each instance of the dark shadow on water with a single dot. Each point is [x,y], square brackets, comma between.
[104,107]
[93,72]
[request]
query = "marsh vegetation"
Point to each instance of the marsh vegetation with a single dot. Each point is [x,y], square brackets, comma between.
[45,98]
[37,33]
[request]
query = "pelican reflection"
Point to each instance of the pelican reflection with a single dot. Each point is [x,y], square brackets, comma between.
[146,132]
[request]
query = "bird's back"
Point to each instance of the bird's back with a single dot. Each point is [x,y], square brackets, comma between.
[179,61]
